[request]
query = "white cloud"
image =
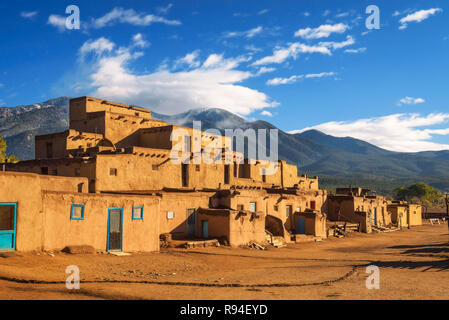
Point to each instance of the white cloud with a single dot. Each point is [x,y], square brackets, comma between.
[326,13]
[190,59]
[294,78]
[306,14]
[323,31]
[132,17]
[359,50]
[342,15]
[410,100]
[265,70]
[248,33]
[57,21]
[264,11]
[98,46]
[418,16]
[214,83]
[139,41]
[338,45]
[266,113]
[28,14]
[396,132]
[164,10]
[292,51]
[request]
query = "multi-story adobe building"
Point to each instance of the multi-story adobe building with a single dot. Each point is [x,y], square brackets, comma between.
[116,180]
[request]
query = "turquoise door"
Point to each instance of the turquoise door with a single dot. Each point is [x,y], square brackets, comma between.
[301,226]
[8,213]
[205,228]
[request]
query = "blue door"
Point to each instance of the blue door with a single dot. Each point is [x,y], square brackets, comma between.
[205,228]
[301,226]
[8,215]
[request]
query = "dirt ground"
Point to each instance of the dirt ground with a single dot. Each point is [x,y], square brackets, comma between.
[413,264]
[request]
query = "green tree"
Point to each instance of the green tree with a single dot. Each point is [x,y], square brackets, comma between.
[419,193]
[3,156]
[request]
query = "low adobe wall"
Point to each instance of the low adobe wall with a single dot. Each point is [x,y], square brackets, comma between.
[238,227]
[61,231]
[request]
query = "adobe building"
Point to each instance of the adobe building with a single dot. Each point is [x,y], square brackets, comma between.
[116,180]
[404,214]
[357,205]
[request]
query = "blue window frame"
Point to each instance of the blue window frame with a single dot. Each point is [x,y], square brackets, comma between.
[77,212]
[137,213]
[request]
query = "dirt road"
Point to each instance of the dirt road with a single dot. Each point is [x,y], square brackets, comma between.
[413,264]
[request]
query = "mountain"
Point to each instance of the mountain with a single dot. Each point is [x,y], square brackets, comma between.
[338,161]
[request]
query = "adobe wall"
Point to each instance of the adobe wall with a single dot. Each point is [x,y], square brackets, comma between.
[240,228]
[415,214]
[60,231]
[246,228]
[25,189]
[82,105]
[178,203]
[315,223]
[218,223]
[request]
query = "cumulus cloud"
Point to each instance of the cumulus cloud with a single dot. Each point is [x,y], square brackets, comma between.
[338,45]
[190,60]
[294,78]
[417,17]
[396,132]
[57,21]
[266,113]
[216,82]
[98,46]
[130,16]
[251,33]
[292,51]
[323,31]
[410,100]
[28,14]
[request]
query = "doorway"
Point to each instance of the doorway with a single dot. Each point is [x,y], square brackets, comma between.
[8,216]
[185,175]
[301,226]
[115,229]
[205,229]
[226,174]
[191,222]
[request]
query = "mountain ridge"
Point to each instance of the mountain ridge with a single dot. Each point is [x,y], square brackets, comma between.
[314,152]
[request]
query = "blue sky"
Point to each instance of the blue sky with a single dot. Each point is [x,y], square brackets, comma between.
[296,64]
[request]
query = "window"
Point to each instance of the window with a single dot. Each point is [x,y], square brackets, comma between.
[240,207]
[252,207]
[275,208]
[288,211]
[55,172]
[44,170]
[113,172]
[77,212]
[170,215]
[77,172]
[138,213]
[89,145]
[197,168]
[312,205]
[155,167]
[49,146]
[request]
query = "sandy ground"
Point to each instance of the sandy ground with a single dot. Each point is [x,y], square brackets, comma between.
[413,264]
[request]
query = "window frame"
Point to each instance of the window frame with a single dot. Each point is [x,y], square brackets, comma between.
[141,215]
[82,211]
